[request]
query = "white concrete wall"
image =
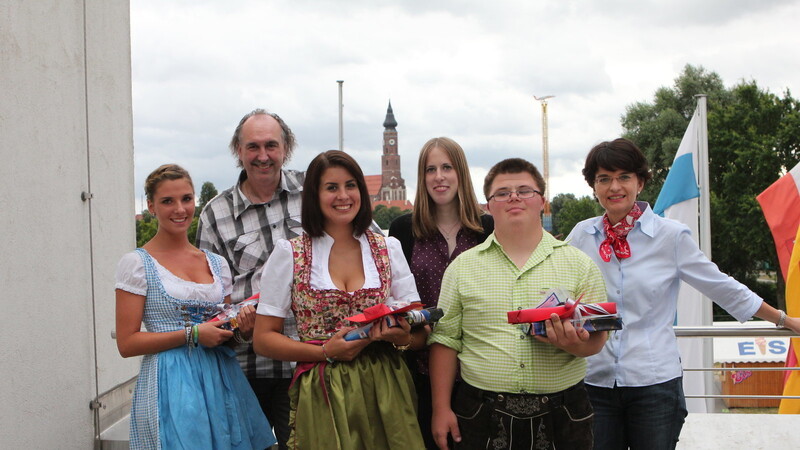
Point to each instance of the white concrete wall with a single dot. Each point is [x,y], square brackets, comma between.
[65,128]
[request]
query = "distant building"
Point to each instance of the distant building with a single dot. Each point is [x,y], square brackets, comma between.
[389,188]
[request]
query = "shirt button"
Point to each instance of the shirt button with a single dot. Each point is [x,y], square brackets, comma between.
[617,291]
[274,226]
[522,336]
[522,365]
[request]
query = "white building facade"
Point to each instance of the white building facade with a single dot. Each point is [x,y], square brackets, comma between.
[67,179]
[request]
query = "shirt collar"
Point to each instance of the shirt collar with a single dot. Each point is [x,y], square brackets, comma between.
[646,223]
[543,250]
[289,183]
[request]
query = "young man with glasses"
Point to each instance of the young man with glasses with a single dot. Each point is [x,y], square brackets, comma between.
[516,390]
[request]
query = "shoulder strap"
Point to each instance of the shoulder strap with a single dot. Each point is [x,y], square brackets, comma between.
[215,263]
[150,272]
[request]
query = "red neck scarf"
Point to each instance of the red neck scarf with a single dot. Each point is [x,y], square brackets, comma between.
[617,235]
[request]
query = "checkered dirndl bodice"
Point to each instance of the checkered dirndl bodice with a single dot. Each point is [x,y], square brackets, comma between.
[162,313]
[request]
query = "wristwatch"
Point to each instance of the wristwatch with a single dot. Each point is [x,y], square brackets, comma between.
[782,320]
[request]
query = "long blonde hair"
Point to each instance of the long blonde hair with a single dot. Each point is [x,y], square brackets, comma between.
[423,219]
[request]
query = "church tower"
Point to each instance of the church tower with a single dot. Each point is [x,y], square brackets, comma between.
[393,187]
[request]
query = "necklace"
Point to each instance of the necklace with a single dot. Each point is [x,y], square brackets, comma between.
[451,233]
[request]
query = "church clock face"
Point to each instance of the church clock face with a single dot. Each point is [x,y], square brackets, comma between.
[391,141]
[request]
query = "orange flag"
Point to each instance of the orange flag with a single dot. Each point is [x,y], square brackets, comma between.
[781,205]
[792,384]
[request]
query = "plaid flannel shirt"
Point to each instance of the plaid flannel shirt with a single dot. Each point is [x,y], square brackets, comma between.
[245,233]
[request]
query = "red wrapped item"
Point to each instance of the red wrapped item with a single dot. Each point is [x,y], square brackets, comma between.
[564,311]
[381,310]
[592,317]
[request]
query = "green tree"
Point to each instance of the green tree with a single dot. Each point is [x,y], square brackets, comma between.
[207,192]
[145,228]
[193,230]
[384,216]
[573,211]
[558,202]
[753,136]
[555,206]
[657,127]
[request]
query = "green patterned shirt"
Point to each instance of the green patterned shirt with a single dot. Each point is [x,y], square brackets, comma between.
[482,285]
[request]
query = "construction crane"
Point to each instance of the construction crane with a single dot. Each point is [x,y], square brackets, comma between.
[547,220]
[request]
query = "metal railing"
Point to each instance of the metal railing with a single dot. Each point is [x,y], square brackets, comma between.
[721,331]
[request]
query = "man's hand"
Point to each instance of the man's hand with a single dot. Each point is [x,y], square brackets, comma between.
[576,341]
[444,423]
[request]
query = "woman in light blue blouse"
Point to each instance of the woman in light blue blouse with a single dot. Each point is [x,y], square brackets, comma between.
[635,381]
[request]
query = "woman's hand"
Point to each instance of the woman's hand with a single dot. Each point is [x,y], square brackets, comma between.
[399,335]
[211,335]
[339,349]
[246,319]
[792,323]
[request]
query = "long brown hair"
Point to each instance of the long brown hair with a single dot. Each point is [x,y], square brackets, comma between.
[423,219]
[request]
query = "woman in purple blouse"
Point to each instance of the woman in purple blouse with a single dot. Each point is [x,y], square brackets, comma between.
[446,221]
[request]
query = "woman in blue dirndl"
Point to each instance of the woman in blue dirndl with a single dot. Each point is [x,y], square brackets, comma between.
[191,392]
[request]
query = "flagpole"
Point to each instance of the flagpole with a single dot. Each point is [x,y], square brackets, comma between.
[703,182]
[704,238]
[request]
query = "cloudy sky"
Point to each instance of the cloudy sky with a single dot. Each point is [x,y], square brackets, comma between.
[465,69]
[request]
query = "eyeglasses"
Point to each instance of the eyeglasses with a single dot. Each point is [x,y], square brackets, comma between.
[606,180]
[504,196]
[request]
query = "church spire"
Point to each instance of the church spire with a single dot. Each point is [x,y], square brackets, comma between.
[389,123]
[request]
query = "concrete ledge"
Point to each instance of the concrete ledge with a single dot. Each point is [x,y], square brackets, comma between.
[750,431]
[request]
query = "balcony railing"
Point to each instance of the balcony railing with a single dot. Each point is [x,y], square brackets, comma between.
[722,331]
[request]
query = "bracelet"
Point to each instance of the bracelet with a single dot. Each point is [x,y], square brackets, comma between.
[781,320]
[325,354]
[403,348]
[195,336]
[237,336]
[188,337]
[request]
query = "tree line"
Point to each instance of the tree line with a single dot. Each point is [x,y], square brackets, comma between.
[753,139]
[146,227]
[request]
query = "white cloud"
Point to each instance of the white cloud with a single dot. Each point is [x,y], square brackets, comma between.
[463,69]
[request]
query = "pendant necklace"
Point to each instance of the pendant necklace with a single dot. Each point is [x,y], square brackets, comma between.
[452,232]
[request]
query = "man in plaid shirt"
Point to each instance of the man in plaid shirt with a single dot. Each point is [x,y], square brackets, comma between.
[242,224]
